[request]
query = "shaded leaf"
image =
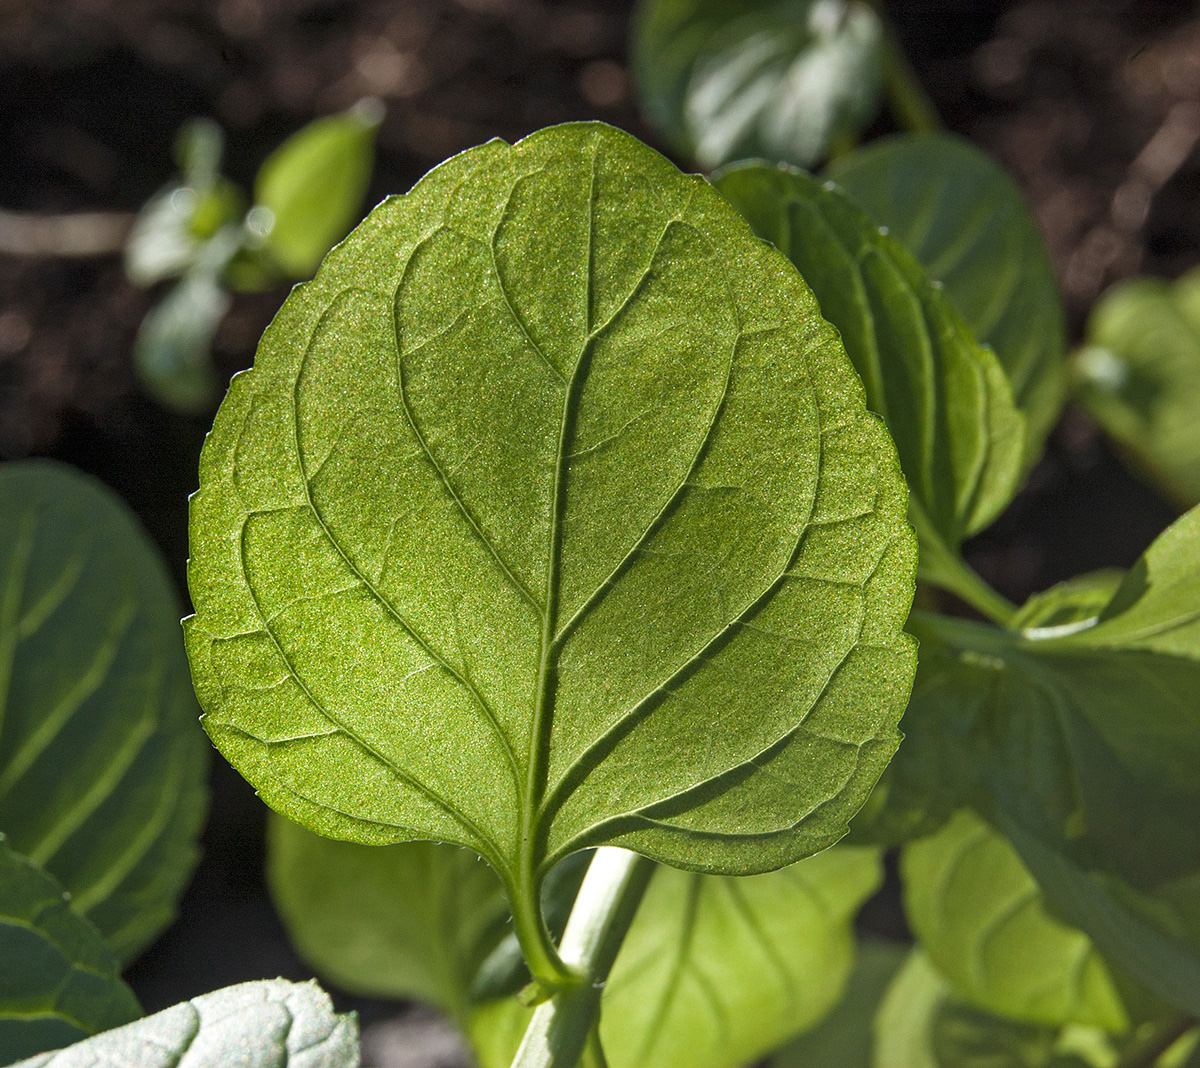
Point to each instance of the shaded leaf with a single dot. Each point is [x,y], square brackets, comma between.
[102,766]
[1138,375]
[717,971]
[267,1024]
[59,982]
[314,183]
[612,551]
[966,221]
[845,1039]
[944,398]
[415,920]
[980,917]
[784,79]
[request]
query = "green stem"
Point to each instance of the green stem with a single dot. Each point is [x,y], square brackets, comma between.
[545,963]
[1145,1054]
[560,1028]
[957,576]
[909,103]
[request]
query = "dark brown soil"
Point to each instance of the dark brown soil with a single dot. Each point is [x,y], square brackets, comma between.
[1093,106]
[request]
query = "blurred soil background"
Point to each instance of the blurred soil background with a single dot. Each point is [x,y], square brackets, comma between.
[1092,106]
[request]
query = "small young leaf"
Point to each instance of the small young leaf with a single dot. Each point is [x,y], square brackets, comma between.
[59,982]
[717,971]
[978,914]
[313,185]
[968,224]
[102,767]
[1138,375]
[415,920]
[784,79]
[551,515]
[267,1024]
[844,1039]
[944,398]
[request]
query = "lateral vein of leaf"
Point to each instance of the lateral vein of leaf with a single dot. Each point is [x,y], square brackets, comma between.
[1149,631]
[737,896]
[992,927]
[1001,294]
[562,379]
[58,591]
[478,698]
[10,606]
[430,794]
[466,513]
[53,720]
[966,235]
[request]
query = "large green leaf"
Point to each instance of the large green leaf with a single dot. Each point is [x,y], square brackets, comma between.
[313,186]
[717,971]
[59,982]
[922,1024]
[968,224]
[551,515]
[944,398]
[1139,376]
[784,79]
[267,1024]
[414,920]
[980,917]
[102,765]
[845,1039]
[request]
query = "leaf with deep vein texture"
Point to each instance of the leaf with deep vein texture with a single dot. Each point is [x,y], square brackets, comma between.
[784,79]
[59,982]
[968,224]
[266,1024]
[102,765]
[1138,375]
[944,397]
[978,914]
[551,515]
[717,971]
[414,920]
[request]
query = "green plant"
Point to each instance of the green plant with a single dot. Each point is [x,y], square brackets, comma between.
[198,229]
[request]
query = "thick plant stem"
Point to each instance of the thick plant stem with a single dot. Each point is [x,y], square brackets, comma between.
[1145,1054]
[562,1027]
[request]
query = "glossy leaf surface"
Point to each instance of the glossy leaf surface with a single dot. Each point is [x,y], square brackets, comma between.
[102,765]
[944,398]
[727,79]
[1139,376]
[717,971]
[267,1024]
[969,226]
[313,185]
[551,515]
[979,915]
[59,982]
[415,920]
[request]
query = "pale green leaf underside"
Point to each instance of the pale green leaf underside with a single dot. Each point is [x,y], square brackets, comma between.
[1139,376]
[717,971]
[727,79]
[551,515]
[981,918]
[59,982]
[102,765]
[414,920]
[967,223]
[944,397]
[267,1024]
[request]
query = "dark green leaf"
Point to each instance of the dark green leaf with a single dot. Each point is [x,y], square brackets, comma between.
[415,920]
[717,971]
[313,185]
[59,982]
[944,398]
[267,1024]
[784,79]
[980,917]
[551,515]
[968,224]
[102,765]
[1139,376]
[845,1038]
